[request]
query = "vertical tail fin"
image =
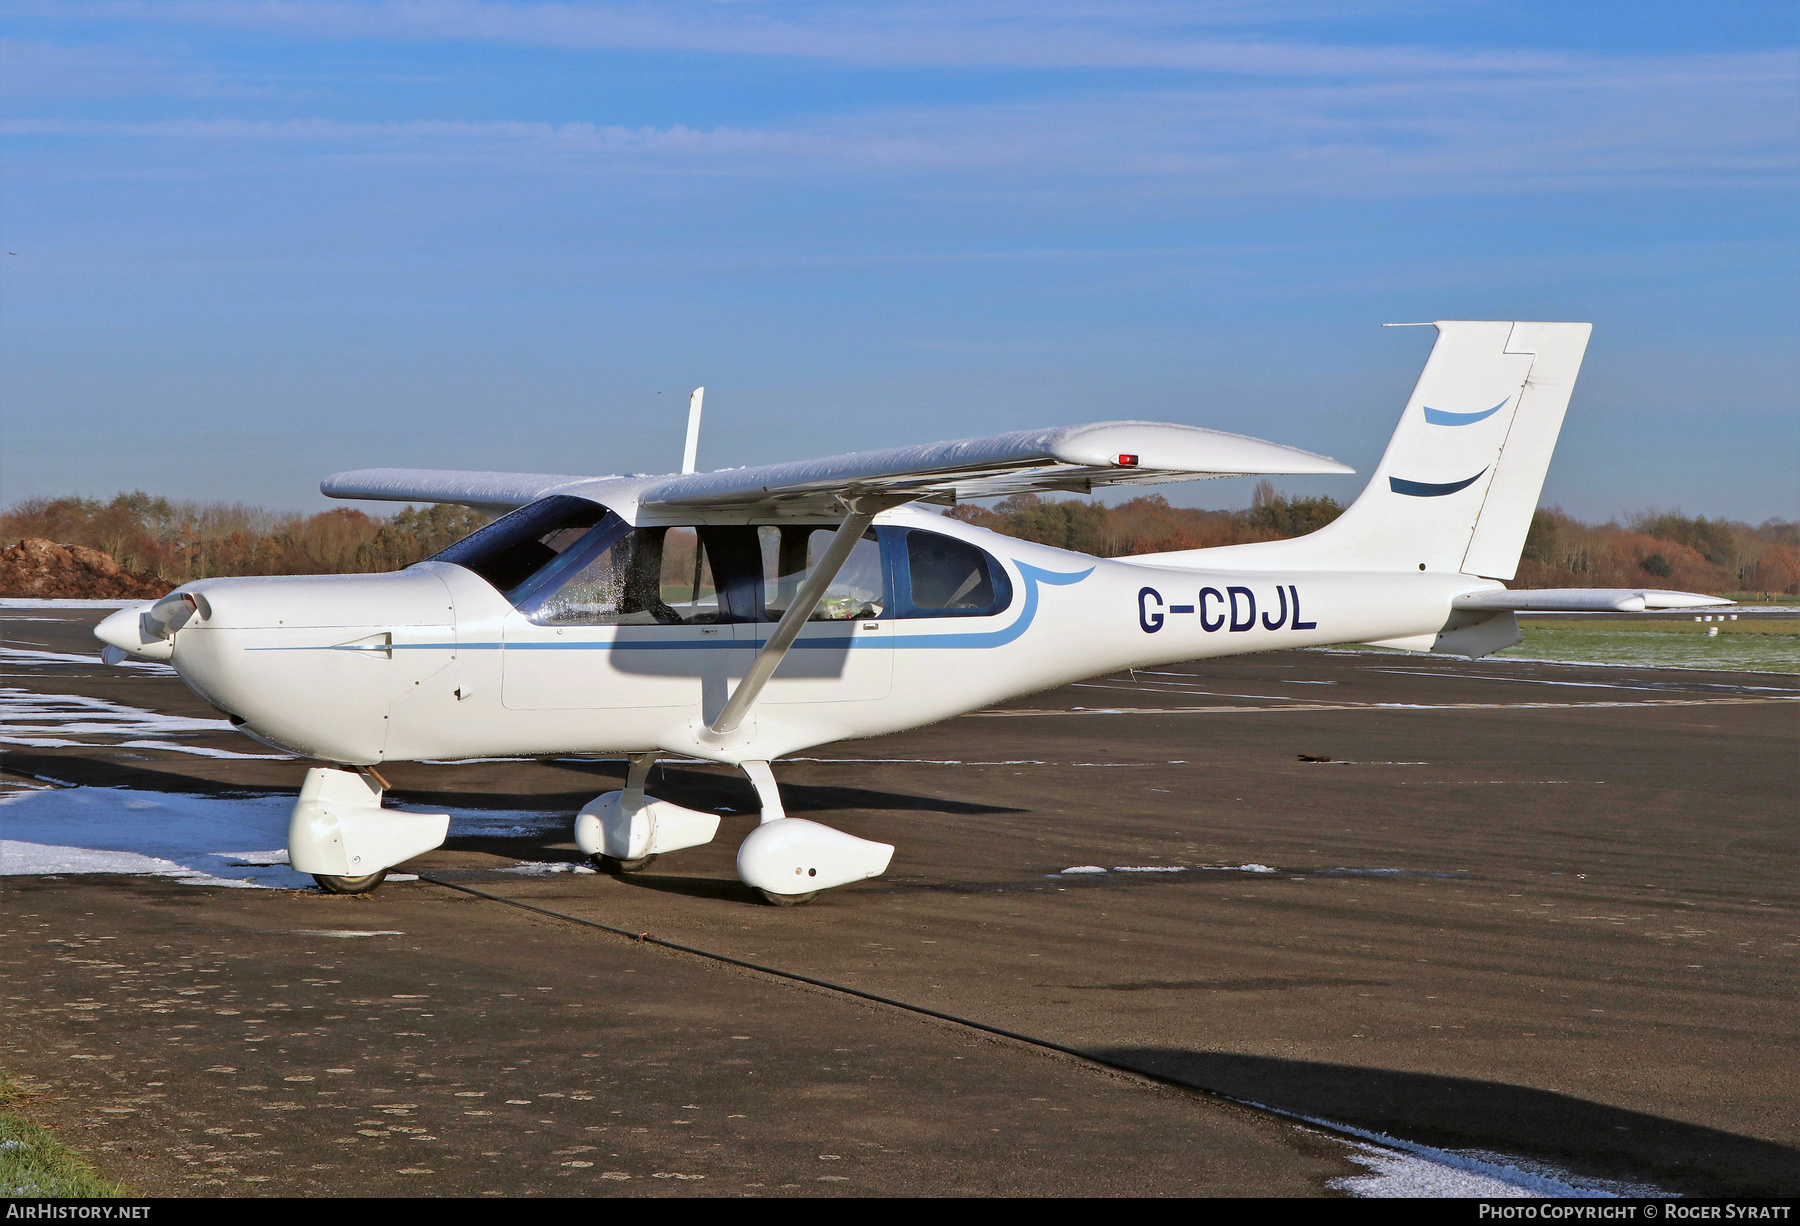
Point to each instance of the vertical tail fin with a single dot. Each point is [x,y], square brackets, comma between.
[1457,486]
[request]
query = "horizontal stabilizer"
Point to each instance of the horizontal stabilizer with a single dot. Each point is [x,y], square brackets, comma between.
[1069,458]
[1585,600]
[473,489]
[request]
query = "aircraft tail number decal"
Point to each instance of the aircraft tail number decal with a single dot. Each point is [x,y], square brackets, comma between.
[1232,610]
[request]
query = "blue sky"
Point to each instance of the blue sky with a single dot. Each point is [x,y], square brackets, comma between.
[251,242]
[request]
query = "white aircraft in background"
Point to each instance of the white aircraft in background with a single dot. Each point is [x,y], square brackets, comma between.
[744,614]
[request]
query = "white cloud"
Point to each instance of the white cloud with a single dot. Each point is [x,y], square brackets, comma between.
[1694,120]
[1049,35]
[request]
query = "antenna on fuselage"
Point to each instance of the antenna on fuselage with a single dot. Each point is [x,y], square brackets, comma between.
[692,451]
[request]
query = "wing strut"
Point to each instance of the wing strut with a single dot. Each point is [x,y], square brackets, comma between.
[862,510]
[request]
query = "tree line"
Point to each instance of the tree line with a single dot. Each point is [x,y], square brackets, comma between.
[1654,549]
[1148,524]
[179,541]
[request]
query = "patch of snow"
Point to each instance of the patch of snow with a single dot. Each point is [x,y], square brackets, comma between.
[189,839]
[1406,1169]
[495,823]
[45,721]
[540,868]
[1177,868]
[260,859]
[35,602]
[919,761]
[26,711]
[203,751]
[22,655]
[1395,1175]
[110,830]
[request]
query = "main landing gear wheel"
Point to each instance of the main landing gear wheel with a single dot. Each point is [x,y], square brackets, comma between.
[618,867]
[350,885]
[786,900]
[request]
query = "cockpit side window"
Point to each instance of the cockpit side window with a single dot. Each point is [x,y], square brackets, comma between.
[517,546]
[951,578]
[789,554]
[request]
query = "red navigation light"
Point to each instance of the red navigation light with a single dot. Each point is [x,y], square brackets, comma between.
[1125,461]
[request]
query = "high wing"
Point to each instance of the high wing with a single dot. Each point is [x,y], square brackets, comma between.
[1066,458]
[490,491]
[1069,458]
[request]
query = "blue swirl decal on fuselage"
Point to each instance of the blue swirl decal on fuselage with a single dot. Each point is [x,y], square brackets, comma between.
[1442,417]
[1425,489]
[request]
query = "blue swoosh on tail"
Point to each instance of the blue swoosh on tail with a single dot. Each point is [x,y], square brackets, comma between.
[1442,417]
[1425,489]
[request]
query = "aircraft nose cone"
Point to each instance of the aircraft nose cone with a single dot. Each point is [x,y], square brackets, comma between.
[122,629]
[124,634]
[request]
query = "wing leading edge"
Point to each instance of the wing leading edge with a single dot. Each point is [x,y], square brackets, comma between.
[496,491]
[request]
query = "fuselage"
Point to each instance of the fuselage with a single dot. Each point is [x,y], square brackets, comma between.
[438,662]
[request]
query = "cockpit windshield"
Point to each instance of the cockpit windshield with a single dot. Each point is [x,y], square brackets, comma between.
[515,547]
[567,561]
[634,577]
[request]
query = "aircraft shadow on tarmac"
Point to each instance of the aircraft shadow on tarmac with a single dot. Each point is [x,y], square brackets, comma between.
[1458,1113]
[73,770]
[728,789]
[695,789]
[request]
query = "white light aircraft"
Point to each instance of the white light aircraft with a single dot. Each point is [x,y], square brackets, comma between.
[744,614]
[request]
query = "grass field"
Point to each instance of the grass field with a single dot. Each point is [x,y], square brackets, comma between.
[33,1163]
[1763,645]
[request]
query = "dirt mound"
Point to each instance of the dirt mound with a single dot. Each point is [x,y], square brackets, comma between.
[36,567]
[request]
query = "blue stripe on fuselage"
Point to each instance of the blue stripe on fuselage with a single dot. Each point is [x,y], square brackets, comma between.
[952,642]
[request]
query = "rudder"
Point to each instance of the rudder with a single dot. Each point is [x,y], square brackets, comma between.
[1524,457]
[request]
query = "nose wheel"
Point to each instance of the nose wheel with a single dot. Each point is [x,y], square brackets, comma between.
[350,885]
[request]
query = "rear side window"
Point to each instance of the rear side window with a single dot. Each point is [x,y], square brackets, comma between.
[517,546]
[952,578]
